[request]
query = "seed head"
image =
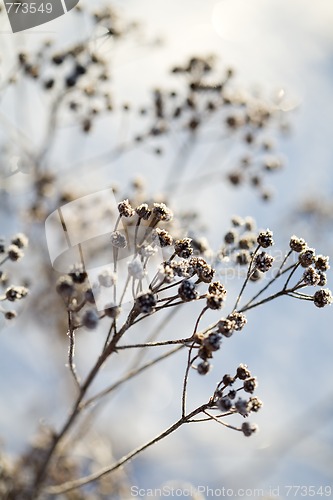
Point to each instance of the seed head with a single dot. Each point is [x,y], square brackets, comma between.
[20,240]
[263,261]
[187,291]
[118,240]
[125,209]
[297,244]
[145,303]
[243,372]
[224,403]
[183,248]
[265,239]
[248,429]
[143,211]
[14,253]
[16,293]
[65,287]
[250,384]
[322,263]
[136,269]
[323,297]
[164,238]
[311,277]
[203,367]
[107,278]
[90,319]
[307,257]
[162,213]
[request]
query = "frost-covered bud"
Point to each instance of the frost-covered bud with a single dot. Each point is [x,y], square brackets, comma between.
[265,239]
[125,209]
[297,244]
[90,319]
[143,211]
[239,320]
[255,404]
[107,278]
[307,257]
[14,253]
[112,311]
[248,428]
[224,404]
[242,407]
[263,262]
[20,240]
[226,327]
[230,237]
[16,293]
[311,277]
[162,212]
[65,287]
[243,372]
[136,269]
[183,248]
[203,368]
[213,341]
[163,237]
[250,384]
[10,315]
[187,291]
[145,303]
[78,274]
[322,263]
[147,251]
[323,298]
[118,240]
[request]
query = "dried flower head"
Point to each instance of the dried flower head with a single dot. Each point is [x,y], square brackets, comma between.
[243,372]
[107,278]
[183,248]
[136,269]
[164,238]
[90,319]
[263,261]
[65,286]
[125,209]
[118,240]
[187,291]
[20,240]
[297,244]
[145,303]
[322,263]
[307,257]
[143,211]
[323,297]
[311,277]
[14,253]
[162,213]
[265,239]
[16,293]
[248,429]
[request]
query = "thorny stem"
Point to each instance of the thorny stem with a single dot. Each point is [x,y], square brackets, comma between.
[70,485]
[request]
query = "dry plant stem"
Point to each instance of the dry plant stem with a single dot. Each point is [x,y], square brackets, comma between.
[70,485]
[40,477]
[249,272]
[155,344]
[128,376]
[278,274]
[190,361]
[290,276]
[221,421]
[289,292]
[71,350]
